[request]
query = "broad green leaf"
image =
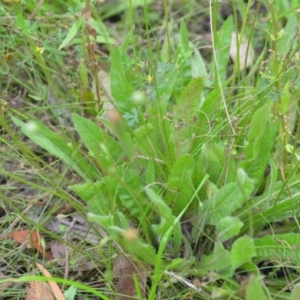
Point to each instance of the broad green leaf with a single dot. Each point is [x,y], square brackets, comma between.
[113,193]
[218,261]
[167,220]
[256,290]
[183,51]
[290,30]
[259,144]
[83,76]
[166,76]
[251,268]
[151,153]
[285,100]
[122,220]
[96,195]
[130,240]
[185,116]
[270,183]
[296,292]
[145,140]
[213,156]
[86,191]
[100,204]
[259,119]
[228,227]
[72,33]
[104,221]
[188,104]
[184,36]
[198,64]
[207,113]
[230,172]
[122,133]
[210,105]
[282,210]
[54,144]
[129,193]
[150,173]
[284,247]
[222,46]
[180,184]
[102,146]
[70,293]
[180,264]
[243,250]
[279,205]
[121,89]
[125,44]
[228,199]
[160,135]
[141,250]
[199,173]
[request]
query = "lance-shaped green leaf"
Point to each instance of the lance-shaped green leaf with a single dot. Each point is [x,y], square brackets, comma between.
[222,45]
[189,102]
[57,146]
[71,33]
[103,147]
[296,292]
[180,184]
[145,140]
[96,195]
[167,220]
[185,116]
[228,199]
[257,290]
[243,250]
[259,144]
[214,159]
[228,227]
[284,247]
[121,89]
[219,260]
[166,76]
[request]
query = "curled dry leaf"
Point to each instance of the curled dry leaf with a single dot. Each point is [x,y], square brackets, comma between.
[39,291]
[124,270]
[246,57]
[33,239]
